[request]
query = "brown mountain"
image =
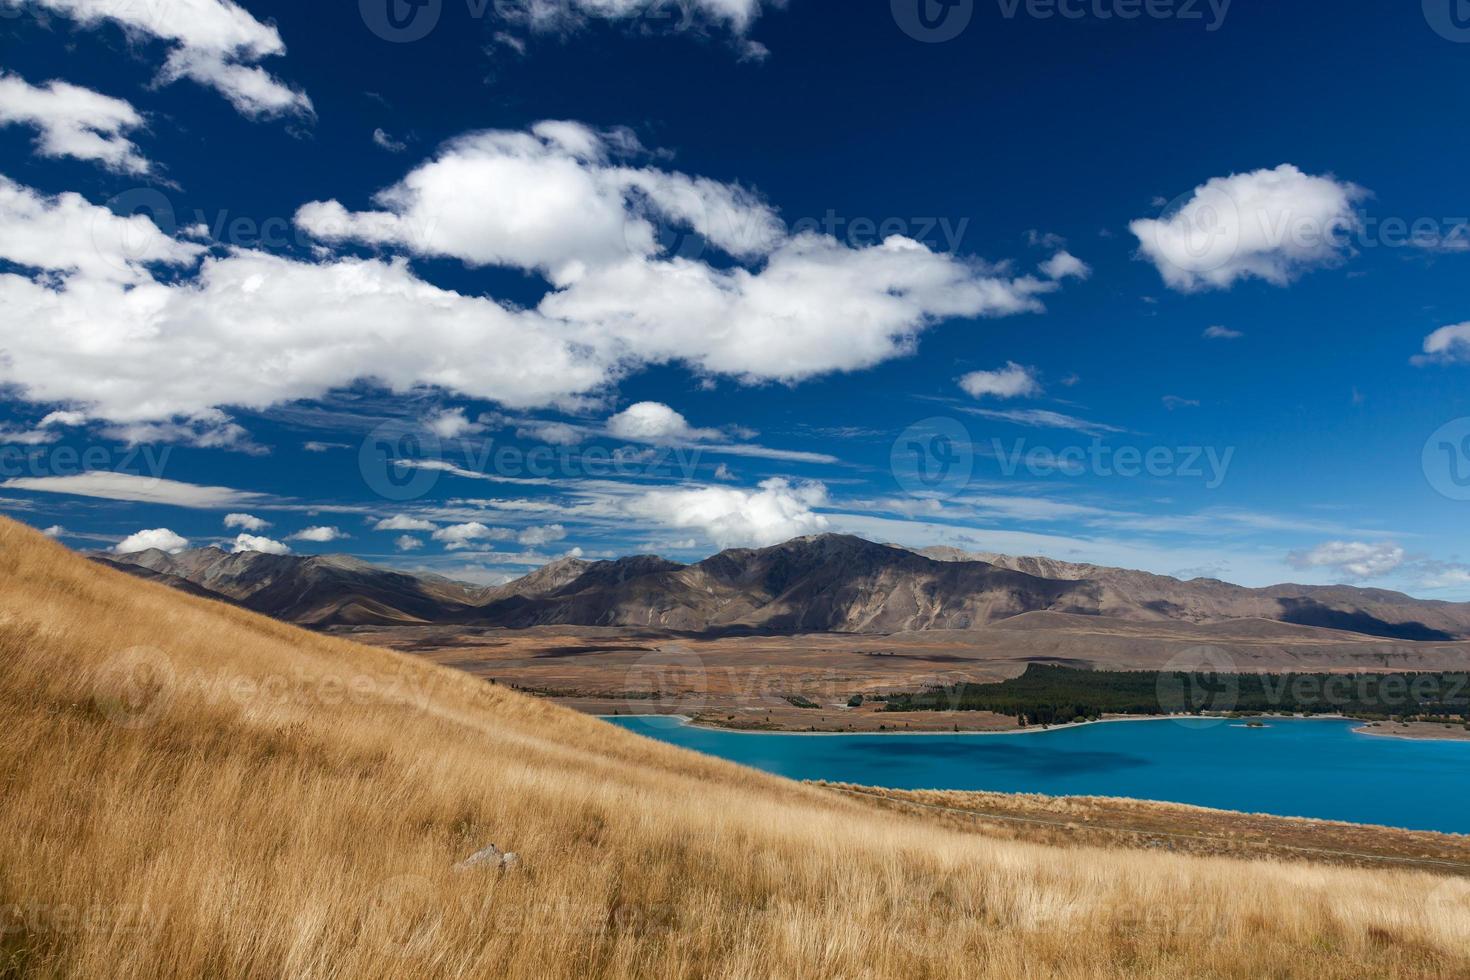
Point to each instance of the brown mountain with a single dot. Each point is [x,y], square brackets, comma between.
[825,583]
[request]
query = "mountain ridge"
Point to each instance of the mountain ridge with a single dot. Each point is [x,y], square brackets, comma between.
[819,583]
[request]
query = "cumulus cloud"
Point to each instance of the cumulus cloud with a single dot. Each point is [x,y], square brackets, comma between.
[405,542]
[402,522]
[1065,265]
[71,121]
[251,542]
[535,536]
[160,538]
[1011,381]
[209,429]
[1217,332]
[1447,345]
[655,422]
[554,200]
[460,536]
[67,234]
[452,424]
[250,329]
[552,433]
[246,522]
[1350,559]
[1442,575]
[46,431]
[735,518]
[213,42]
[319,535]
[138,327]
[54,531]
[1267,224]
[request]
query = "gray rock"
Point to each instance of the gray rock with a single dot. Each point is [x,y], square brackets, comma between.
[490,857]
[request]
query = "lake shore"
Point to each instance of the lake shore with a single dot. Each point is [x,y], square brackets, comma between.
[1415,731]
[697,722]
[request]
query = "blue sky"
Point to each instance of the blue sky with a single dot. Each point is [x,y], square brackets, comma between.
[1176,292]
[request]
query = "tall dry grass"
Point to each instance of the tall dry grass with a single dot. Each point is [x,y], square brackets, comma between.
[190,790]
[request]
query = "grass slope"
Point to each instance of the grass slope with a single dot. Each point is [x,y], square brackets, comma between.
[188,789]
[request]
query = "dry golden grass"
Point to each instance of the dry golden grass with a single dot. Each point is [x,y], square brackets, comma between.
[190,790]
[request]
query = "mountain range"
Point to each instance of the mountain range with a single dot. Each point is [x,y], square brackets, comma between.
[823,583]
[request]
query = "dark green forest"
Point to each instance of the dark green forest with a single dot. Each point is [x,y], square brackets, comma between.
[1046,695]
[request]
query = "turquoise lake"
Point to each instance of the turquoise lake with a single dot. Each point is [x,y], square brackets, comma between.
[1294,767]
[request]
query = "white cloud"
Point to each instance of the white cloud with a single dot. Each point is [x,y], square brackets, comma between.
[251,329]
[251,542]
[64,418]
[1350,559]
[45,431]
[406,542]
[817,307]
[105,330]
[733,518]
[1217,332]
[319,535]
[74,122]
[560,15]
[54,531]
[161,538]
[452,424]
[459,536]
[209,429]
[1040,418]
[1011,381]
[1442,575]
[68,234]
[382,139]
[402,522]
[657,423]
[1447,345]
[1064,265]
[551,200]
[535,536]
[139,489]
[552,433]
[1267,224]
[246,522]
[215,43]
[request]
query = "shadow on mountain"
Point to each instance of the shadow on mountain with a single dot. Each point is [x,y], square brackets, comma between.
[1305,612]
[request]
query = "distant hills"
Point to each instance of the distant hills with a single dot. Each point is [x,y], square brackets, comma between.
[824,583]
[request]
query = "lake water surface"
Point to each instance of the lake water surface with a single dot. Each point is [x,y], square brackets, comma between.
[1293,767]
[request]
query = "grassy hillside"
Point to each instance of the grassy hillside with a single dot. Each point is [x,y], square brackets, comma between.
[188,789]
